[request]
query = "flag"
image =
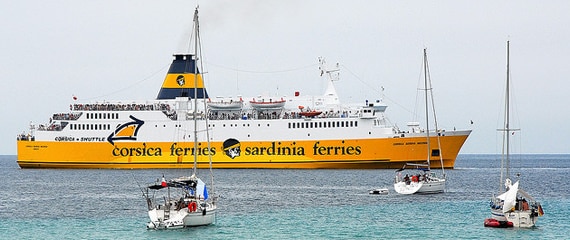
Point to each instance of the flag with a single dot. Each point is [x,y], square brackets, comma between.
[201,189]
[163,183]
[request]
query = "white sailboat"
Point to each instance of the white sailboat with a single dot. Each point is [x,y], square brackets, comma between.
[424,180]
[186,202]
[513,207]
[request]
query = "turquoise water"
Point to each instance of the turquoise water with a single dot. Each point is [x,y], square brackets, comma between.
[281,204]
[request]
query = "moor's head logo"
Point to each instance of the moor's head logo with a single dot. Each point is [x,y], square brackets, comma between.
[232,148]
[180,80]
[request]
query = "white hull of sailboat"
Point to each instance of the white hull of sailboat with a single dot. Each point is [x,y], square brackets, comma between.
[433,186]
[423,187]
[181,218]
[498,215]
[411,188]
[522,219]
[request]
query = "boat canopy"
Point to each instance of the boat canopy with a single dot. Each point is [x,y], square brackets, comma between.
[192,184]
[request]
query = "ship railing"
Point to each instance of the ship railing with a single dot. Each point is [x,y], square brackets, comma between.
[25,137]
[170,114]
[66,116]
[55,126]
[215,115]
[121,107]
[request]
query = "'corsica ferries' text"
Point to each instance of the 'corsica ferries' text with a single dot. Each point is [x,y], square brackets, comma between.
[157,151]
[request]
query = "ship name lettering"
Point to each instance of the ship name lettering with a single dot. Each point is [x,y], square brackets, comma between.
[92,139]
[275,150]
[185,151]
[64,139]
[136,151]
[336,150]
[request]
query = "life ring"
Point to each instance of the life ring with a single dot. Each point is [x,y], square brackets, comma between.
[192,207]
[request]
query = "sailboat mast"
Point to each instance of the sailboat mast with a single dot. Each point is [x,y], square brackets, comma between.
[505,161]
[507,117]
[195,91]
[426,107]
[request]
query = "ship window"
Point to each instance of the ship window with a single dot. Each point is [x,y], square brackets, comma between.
[320,124]
[355,123]
[268,124]
[311,125]
[224,125]
[351,123]
[289,125]
[435,152]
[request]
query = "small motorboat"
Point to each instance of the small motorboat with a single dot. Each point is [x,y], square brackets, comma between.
[379,191]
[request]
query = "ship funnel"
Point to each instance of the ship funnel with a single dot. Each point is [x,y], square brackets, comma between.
[182,79]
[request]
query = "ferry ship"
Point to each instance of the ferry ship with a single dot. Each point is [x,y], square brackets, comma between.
[305,132]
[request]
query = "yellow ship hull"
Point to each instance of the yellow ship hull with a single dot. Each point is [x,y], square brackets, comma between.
[315,154]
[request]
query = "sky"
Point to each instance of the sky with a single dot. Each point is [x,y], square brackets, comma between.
[121,50]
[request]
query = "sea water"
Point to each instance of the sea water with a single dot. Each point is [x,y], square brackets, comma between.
[282,203]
